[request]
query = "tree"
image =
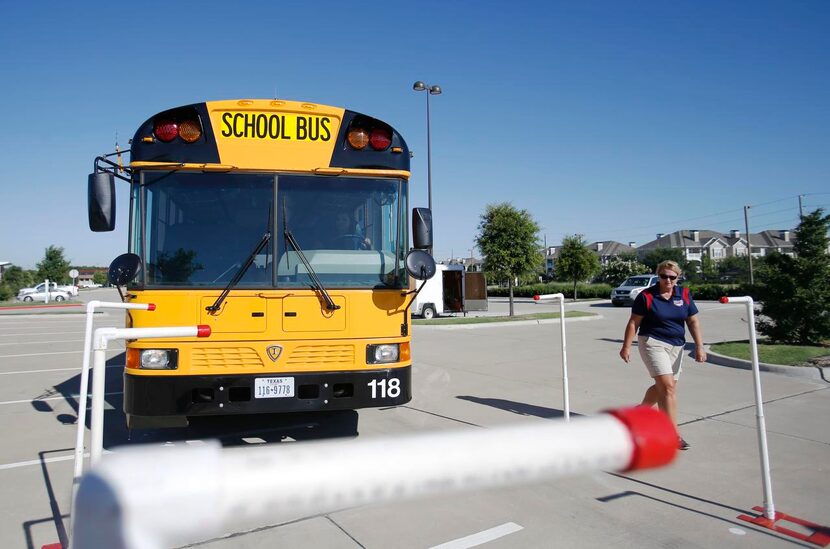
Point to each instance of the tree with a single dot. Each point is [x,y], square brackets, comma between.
[575,261]
[15,278]
[507,240]
[708,268]
[54,266]
[658,255]
[618,269]
[734,267]
[99,277]
[794,292]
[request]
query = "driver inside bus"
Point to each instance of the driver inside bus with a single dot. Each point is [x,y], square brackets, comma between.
[348,234]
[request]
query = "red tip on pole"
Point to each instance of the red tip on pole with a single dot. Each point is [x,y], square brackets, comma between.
[724,299]
[653,434]
[536,297]
[151,306]
[202,330]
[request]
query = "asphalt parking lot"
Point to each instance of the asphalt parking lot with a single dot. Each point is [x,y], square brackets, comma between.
[464,378]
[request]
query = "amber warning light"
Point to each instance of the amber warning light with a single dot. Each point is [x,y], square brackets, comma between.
[167,129]
[359,137]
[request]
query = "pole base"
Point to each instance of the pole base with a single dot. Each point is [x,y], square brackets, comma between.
[820,534]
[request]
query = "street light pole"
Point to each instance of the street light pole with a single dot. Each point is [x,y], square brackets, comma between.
[433,90]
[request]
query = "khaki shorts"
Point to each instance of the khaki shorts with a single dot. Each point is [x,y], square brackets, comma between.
[661,358]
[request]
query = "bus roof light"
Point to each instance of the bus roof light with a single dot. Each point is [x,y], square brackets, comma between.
[358,138]
[166,130]
[380,139]
[190,131]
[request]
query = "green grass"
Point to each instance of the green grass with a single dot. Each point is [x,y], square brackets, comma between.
[789,355]
[489,319]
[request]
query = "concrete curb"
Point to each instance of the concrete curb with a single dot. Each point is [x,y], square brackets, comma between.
[69,309]
[503,324]
[811,372]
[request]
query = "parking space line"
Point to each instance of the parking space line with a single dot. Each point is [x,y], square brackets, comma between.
[481,538]
[40,342]
[55,353]
[30,400]
[77,369]
[39,333]
[36,462]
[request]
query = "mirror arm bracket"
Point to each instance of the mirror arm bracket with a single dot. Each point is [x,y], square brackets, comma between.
[112,167]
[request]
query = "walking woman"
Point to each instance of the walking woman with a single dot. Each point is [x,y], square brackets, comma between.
[661,314]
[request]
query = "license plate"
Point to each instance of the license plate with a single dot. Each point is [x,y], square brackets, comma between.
[274,387]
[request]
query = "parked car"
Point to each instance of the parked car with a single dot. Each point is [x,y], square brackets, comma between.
[54,295]
[69,289]
[625,293]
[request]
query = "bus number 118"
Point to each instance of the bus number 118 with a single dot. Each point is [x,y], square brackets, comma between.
[390,388]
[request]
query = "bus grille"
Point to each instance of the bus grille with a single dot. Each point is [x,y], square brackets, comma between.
[322,355]
[230,357]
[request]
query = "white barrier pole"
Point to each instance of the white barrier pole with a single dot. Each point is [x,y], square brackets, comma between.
[769,506]
[100,339]
[84,390]
[186,494]
[561,298]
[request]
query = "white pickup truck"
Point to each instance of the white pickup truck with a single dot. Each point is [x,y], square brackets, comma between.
[39,289]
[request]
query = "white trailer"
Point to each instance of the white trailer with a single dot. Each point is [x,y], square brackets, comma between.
[452,290]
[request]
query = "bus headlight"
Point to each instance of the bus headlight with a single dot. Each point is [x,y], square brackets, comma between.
[383,354]
[159,359]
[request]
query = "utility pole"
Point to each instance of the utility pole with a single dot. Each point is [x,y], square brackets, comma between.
[800,207]
[748,243]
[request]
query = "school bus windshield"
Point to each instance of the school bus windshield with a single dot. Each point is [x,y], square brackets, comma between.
[197,230]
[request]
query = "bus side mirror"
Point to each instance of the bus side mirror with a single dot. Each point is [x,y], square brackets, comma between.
[101,201]
[421,228]
[420,265]
[123,269]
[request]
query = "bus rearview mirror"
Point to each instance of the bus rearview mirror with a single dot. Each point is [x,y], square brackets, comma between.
[421,228]
[420,265]
[123,269]
[101,201]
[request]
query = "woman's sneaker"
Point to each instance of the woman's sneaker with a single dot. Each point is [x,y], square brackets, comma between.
[682,444]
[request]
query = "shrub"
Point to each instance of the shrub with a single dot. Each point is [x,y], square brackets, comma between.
[716,291]
[583,290]
[794,292]
[6,292]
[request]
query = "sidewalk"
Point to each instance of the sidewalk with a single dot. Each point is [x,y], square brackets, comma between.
[63,308]
[811,372]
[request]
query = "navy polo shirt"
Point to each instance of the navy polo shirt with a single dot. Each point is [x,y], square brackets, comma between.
[666,321]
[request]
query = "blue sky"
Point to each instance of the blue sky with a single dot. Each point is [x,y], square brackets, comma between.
[616,120]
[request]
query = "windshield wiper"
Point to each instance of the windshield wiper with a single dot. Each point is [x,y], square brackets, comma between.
[239,274]
[330,305]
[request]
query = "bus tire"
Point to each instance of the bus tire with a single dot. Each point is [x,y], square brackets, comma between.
[428,312]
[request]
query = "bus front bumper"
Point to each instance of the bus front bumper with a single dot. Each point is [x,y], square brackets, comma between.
[237,394]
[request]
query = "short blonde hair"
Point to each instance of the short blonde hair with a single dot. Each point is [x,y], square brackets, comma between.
[669,264]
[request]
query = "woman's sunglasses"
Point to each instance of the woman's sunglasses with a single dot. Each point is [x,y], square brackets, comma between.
[667,277]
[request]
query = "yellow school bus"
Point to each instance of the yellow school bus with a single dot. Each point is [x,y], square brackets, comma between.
[283,226]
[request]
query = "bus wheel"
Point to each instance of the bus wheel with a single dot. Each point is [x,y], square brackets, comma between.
[428,312]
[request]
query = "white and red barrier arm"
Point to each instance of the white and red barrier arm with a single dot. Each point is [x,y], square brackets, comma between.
[187,494]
